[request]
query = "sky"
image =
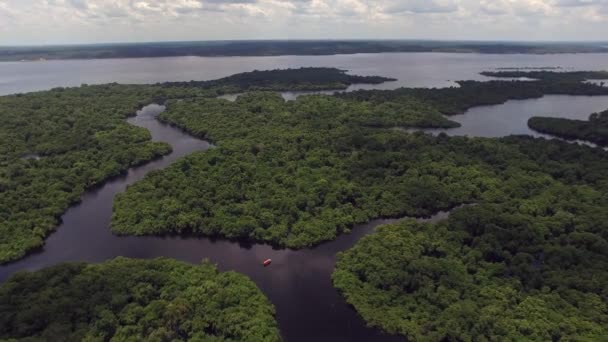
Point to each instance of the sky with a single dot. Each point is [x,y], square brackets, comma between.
[33,22]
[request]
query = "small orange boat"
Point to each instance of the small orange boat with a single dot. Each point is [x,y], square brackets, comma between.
[267,262]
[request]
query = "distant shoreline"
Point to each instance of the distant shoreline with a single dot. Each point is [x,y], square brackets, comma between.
[283,48]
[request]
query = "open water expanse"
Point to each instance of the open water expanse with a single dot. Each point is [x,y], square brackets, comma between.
[411,69]
[298,282]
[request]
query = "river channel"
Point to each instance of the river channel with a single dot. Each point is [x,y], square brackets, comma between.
[298,283]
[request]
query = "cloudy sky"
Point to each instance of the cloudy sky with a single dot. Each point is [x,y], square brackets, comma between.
[25,22]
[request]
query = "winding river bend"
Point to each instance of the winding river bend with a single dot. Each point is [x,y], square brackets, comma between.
[299,282]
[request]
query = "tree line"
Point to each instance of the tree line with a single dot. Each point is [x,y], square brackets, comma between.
[527,261]
[594,130]
[56,144]
[135,300]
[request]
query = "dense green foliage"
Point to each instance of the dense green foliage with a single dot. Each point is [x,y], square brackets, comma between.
[456,100]
[283,171]
[577,76]
[528,262]
[490,273]
[81,138]
[301,172]
[56,144]
[287,79]
[134,300]
[282,47]
[594,130]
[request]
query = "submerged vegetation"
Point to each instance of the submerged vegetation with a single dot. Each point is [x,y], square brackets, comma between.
[594,130]
[134,300]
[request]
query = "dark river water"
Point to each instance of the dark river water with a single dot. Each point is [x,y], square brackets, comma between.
[298,282]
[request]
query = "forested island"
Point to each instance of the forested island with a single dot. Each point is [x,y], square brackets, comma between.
[299,173]
[527,269]
[594,130]
[291,173]
[456,100]
[524,259]
[284,47]
[134,300]
[283,79]
[56,144]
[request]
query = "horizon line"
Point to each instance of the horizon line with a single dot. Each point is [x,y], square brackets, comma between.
[511,41]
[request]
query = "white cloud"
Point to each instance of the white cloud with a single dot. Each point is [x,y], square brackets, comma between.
[421,6]
[493,7]
[71,21]
[579,3]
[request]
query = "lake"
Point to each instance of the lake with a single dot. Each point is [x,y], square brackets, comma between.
[512,117]
[298,282]
[411,69]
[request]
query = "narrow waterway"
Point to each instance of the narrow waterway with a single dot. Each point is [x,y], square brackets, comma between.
[298,282]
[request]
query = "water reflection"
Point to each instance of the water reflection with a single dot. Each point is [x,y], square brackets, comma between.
[512,117]
[412,69]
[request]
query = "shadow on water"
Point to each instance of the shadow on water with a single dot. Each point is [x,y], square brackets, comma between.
[298,283]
